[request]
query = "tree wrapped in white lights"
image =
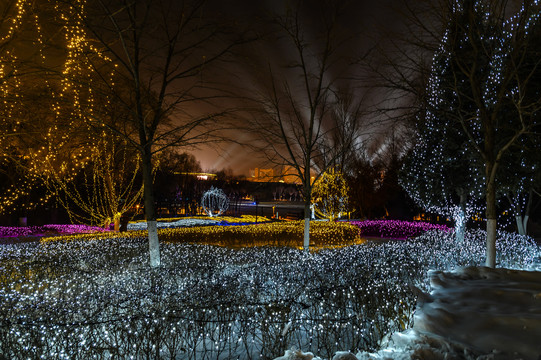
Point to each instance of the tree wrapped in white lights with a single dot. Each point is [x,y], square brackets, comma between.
[440,174]
[214,202]
[486,90]
[330,195]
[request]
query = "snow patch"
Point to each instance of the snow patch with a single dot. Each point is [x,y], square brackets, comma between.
[472,313]
[295,354]
[172,224]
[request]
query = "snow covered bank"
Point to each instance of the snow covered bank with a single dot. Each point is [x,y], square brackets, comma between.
[473,313]
[485,311]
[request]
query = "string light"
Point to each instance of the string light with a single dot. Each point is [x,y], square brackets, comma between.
[48,145]
[95,298]
[330,195]
[214,202]
[443,149]
[70,142]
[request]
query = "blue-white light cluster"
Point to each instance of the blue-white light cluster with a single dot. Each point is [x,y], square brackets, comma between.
[99,299]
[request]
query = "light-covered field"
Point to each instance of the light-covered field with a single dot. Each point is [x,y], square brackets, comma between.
[98,299]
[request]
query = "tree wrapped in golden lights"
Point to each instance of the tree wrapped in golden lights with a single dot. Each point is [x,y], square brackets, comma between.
[156,54]
[105,189]
[17,23]
[330,195]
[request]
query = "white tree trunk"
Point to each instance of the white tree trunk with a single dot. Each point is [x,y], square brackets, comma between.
[491,243]
[306,233]
[520,227]
[522,224]
[460,230]
[307,213]
[153,243]
[460,225]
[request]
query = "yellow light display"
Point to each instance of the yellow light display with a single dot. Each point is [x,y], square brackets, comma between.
[54,145]
[105,189]
[330,195]
[322,234]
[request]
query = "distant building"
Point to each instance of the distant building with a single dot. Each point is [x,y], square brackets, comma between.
[199,175]
[287,175]
[261,175]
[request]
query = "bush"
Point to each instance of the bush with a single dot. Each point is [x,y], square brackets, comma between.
[290,233]
[395,229]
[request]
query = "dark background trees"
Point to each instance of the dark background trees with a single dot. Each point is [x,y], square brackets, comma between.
[176,182]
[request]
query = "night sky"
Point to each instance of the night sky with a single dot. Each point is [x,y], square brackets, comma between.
[367,22]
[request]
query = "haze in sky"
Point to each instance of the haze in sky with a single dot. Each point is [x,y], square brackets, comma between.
[367,22]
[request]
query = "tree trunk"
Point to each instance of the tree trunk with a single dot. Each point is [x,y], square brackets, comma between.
[520,225]
[491,224]
[460,226]
[307,225]
[460,218]
[117,223]
[522,222]
[150,209]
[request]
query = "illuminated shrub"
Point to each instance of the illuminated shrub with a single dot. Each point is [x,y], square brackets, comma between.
[275,234]
[330,195]
[395,229]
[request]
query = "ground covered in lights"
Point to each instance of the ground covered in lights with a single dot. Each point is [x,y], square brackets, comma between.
[98,299]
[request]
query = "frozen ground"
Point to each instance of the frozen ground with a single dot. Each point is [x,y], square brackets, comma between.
[471,313]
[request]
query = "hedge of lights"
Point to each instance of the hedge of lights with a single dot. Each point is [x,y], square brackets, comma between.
[238,233]
[98,299]
[46,229]
[396,229]
[290,233]
[23,231]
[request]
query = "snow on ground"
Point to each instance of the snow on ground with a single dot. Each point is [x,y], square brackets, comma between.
[485,311]
[178,223]
[471,313]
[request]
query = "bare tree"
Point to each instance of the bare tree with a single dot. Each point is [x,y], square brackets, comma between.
[308,116]
[149,59]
